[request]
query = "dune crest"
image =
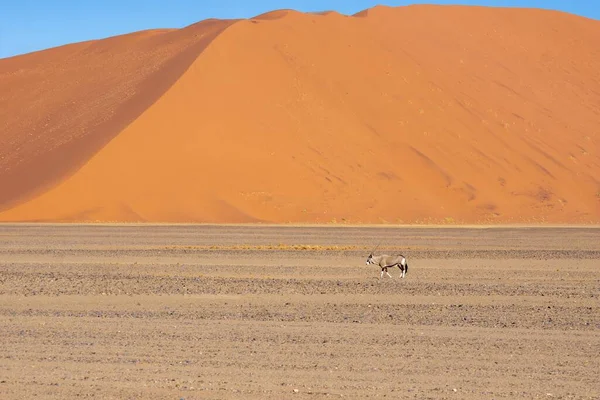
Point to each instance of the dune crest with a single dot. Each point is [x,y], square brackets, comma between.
[277,14]
[413,114]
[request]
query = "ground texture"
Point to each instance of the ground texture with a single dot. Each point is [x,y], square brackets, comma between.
[189,312]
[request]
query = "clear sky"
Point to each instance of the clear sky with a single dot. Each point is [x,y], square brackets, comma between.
[30,25]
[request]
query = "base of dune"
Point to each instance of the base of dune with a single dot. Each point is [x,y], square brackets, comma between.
[239,220]
[410,115]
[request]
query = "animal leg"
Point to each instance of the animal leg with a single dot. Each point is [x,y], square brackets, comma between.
[387,273]
[381,276]
[403,268]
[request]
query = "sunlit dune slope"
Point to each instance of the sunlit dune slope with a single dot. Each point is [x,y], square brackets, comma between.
[409,114]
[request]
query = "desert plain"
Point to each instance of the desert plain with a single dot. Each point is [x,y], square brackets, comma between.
[275,312]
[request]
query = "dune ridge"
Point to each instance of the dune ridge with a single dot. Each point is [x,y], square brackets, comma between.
[60,106]
[417,114]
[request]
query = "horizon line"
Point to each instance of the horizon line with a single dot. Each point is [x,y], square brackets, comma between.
[320,13]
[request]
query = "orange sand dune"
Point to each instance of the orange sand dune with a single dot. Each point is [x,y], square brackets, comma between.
[408,114]
[60,106]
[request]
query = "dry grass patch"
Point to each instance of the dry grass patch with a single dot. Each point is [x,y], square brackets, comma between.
[279,246]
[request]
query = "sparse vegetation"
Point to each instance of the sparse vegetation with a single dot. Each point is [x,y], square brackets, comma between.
[279,246]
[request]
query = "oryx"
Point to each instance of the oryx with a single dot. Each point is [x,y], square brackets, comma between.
[385,262]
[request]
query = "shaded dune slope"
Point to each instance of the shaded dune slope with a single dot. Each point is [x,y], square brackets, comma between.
[408,114]
[60,106]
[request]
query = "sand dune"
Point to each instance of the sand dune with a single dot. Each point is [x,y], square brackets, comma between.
[60,106]
[408,114]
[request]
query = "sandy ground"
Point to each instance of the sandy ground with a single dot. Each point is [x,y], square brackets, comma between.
[189,312]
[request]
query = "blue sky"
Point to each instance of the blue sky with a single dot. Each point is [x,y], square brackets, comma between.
[30,25]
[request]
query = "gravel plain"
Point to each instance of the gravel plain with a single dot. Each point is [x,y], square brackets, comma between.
[276,312]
